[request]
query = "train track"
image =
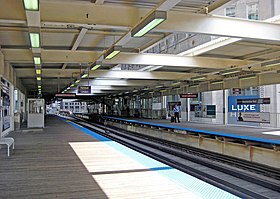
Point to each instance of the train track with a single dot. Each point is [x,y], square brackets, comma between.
[239,177]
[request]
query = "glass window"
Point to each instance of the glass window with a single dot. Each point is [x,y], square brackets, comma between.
[253,11]
[230,12]
[35,106]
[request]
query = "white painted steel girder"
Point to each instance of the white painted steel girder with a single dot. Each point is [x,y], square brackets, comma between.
[174,60]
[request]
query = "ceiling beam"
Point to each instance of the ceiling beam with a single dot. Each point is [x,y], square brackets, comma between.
[79,39]
[126,16]
[220,26]
[121,82]
[167,5]
[77,42]
[174,60]
[51,56]
[72,73]
[49,73]
[219,4]
[140,75]
[98,2]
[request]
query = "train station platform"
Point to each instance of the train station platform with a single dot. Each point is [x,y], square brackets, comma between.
[66,160]
[267,135]
[258,132]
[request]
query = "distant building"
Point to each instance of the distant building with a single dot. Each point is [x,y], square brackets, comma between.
[75,107]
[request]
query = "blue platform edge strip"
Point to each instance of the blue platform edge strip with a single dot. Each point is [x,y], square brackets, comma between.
[263,140]
[197,187]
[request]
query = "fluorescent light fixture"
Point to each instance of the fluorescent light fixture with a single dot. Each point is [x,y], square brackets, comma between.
[175,83]
[95,67]
[72,85]
[84,75]
[162,90]
[38,71]
[39,86]
[135,90]
[112,52]
[37,60]
[271,63]
[151,92]
[248,76]
[198,78]
[145,89]
[35,40]
[217,82]
[272,133]
[32,5]
[39,78]
[77,81]
[68,88]
[230,71]
[158,86]
[149,23]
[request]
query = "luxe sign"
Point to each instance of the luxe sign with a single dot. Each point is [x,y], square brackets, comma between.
[233,105]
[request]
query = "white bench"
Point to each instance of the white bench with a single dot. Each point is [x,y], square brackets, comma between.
[9,142]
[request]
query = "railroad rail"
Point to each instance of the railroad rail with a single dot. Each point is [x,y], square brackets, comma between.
[239,177]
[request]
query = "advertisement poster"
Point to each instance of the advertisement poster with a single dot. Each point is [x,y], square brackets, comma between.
[6,123]
[261,117]
[5,103]
[205,111]
[234,109]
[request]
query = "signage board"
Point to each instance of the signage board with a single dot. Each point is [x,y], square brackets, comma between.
[65,95]
[260,117]
[84,89]
[254,101]
[189,95]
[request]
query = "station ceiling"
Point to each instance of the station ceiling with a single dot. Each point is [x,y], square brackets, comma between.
[75,34]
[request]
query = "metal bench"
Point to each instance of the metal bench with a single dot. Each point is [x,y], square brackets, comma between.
[9,142]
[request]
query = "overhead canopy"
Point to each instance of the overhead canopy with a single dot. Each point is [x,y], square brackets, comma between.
[74,36]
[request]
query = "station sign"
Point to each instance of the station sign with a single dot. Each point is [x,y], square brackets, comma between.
[65,95]
[189,95]
[254,101]
[84,89]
